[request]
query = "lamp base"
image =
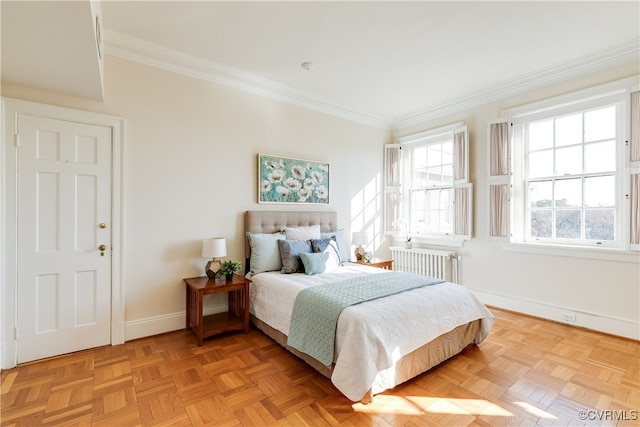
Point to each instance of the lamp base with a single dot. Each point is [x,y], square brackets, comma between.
[359,253]
[212,268]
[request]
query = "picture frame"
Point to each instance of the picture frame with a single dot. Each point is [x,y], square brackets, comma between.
[292,181]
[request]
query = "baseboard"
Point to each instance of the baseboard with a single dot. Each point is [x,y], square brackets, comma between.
[149,326]
[596,322]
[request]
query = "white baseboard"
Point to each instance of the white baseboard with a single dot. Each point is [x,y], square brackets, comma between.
[149,326]
[596,322]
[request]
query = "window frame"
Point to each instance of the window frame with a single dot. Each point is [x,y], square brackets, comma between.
[618,93]
[460,181]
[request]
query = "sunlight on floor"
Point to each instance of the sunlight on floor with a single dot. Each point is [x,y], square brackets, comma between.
[535,411]
[415,405]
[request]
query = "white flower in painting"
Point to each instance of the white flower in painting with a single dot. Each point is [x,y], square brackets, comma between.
[323,168]
[270,164]
[298,172]
[309,166]
[293,184]
[277,176]
[317,176]
[283,164]
[282,190]
[265,186]
[322,192]
[309,183]
[303,195]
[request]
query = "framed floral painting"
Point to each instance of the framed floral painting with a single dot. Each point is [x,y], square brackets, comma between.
[286,180]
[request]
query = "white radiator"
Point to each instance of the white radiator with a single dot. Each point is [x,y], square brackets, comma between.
[427,262]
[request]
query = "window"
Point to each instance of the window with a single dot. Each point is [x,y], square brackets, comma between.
[559,171]
[431,187]
[570,176]
[429,194]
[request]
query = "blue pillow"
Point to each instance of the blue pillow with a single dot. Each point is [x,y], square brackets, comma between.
[265,254]
[290,254]
[329,246]
[340,240]
[314,263]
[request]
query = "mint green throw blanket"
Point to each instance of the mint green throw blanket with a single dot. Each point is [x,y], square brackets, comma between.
[316,309]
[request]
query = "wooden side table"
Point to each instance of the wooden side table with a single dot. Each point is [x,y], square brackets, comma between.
[385,264]
[237,318]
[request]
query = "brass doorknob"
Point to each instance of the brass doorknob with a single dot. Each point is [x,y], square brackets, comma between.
[103,225]
[102,247]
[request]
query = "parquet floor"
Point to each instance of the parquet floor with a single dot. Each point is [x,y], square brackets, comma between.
[527,372]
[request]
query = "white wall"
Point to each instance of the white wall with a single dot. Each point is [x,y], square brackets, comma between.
[190,160]
[190,172]
[602,295]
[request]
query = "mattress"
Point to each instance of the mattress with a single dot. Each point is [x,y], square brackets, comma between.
[383,342]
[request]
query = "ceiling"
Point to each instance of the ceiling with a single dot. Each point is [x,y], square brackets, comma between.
[381,63]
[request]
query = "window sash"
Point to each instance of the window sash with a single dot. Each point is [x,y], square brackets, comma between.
[461,212]
[623,93]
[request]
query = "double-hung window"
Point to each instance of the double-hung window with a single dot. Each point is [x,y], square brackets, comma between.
[431,198]
[566,177]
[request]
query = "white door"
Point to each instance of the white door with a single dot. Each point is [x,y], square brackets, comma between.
[64,216]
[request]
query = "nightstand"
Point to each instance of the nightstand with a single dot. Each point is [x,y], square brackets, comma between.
[237,318]
[385,264]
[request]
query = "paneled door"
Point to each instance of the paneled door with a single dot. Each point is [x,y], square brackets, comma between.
[63,237]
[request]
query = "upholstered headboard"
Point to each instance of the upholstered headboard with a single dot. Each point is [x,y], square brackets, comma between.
[274,221]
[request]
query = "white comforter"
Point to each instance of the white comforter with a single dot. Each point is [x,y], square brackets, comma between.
[371,336]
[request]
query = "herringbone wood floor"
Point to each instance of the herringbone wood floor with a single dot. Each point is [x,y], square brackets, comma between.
[527,372]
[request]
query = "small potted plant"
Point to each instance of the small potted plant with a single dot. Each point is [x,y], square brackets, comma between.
[407,243]
[228,268]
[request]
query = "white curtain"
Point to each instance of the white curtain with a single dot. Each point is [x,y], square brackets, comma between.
[635,209]
[498,202]
[499,149]
[392,185]
[499,180]
[634,187]
[462,200]
[460,166]
[635,127]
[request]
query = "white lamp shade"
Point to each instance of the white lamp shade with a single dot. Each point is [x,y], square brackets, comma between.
[360,238]
[214,248]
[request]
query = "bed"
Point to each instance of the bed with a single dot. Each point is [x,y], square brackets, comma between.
[379,343]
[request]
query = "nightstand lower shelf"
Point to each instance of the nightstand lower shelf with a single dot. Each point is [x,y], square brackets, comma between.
[221,322]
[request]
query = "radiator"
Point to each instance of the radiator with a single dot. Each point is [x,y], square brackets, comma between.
[427,262]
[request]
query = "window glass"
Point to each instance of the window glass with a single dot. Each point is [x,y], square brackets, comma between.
[600,124]
[541,135]
[569,188]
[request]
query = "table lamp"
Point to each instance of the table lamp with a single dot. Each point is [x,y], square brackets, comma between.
[359,238]
[213,248]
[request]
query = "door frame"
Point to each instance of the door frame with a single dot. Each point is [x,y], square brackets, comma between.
[11,108]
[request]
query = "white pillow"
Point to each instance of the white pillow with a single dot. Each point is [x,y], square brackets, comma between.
[265,253]
[302,233]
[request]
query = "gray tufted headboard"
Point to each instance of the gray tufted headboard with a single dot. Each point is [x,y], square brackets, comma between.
[274,221]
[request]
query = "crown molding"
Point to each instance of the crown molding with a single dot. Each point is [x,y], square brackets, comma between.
[137,50]
[603,59]
[151,54]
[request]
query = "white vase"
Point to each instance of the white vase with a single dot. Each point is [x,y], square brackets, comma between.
[407,245]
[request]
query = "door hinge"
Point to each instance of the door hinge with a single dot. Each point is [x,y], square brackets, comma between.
[17,140]
[15,333]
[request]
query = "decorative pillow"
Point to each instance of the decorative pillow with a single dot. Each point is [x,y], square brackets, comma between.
[289,253]
[302,233]
[314,263]
[341,241]
[265,254]
[329,246]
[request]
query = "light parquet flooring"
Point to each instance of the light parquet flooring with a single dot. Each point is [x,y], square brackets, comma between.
[527,372]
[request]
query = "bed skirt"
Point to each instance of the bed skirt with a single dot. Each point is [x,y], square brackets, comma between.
[407,367]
